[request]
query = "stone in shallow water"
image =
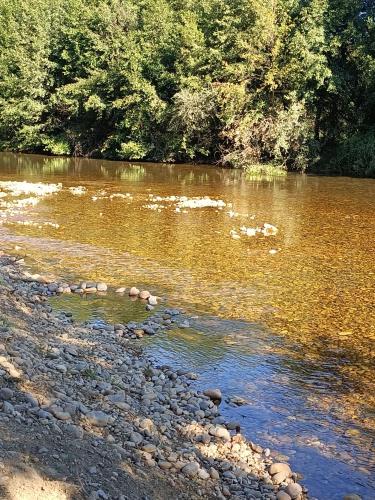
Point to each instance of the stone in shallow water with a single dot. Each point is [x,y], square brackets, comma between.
[144,294]
[213,394]
[294,490]
[102,287]
[133,292]
[152,300]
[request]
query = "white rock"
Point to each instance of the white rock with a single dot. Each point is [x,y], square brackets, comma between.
[152,300]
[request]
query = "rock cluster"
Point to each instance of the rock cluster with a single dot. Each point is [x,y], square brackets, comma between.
[79,379]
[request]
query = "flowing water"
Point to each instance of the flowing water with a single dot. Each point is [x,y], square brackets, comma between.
[285,320]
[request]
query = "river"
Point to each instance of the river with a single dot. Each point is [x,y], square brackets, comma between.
[285,320]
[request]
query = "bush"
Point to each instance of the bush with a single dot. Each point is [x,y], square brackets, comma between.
[354,157]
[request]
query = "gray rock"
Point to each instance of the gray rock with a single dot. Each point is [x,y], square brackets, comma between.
[6,393]
[136,438]
[191,469]
[119,397]
[8,408]
[98,418]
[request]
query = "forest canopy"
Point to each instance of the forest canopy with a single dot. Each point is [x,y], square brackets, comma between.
[237,82]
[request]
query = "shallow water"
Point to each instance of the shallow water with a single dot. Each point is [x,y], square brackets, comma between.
[291,331]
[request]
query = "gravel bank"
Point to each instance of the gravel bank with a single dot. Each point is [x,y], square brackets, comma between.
[85,414]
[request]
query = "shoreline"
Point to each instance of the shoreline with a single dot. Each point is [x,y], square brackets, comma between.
[94,389]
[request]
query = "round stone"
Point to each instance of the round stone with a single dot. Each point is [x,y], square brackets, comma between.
[281,495]
[213,394]
[191,469]
[152,300]
[279,467]
[279,477]
[102,287]
[294,490]
[133,292]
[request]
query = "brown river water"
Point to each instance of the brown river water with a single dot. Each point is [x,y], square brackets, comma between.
[285,320]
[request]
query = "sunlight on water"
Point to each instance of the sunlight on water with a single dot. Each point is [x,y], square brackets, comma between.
[291,259]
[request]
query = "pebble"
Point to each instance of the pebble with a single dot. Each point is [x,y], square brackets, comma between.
[163,464]
[191,469]
[98,418]
[6,393]
[133,292]
[203,474]
[279,467]
[294,490]
[122,289]
[136,438]
[220,432]
[149,448]
[144,294]
[282,495]
[213,394]
[280,477]
[214,474]
[152,300]
[102,287]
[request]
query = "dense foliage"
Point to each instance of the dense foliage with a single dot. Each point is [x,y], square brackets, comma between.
[241,82]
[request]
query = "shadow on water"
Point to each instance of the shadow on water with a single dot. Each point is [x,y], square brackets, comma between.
[280,387]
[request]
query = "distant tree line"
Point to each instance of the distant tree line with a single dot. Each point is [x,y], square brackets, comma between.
[289,83]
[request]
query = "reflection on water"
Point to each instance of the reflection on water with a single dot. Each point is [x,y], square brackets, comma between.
[311,379]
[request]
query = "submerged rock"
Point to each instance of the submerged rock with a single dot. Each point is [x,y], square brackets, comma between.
[213,394]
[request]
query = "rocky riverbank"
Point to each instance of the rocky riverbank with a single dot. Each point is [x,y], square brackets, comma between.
[85,414]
